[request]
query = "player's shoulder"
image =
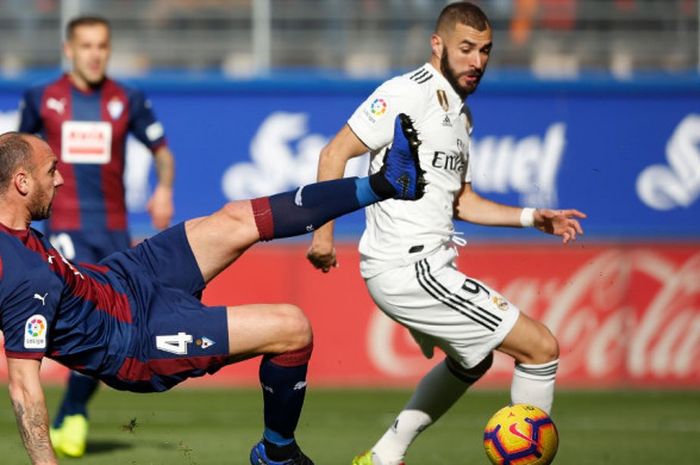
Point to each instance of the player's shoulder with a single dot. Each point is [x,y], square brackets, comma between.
[38,89]
[415,79]
[423,76]
[411,85]
[11,248]
[131,91]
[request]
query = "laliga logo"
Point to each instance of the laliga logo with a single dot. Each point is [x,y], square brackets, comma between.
[665,187]
[283,156]
[528,166]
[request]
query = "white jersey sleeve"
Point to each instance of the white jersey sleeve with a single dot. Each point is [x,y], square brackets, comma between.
[373,121]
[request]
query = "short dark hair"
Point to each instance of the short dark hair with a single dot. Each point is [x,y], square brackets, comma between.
[78,21]
[465,13]
[15,151]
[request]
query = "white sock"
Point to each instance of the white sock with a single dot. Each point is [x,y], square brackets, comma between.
[391,448]
[534,384]
[434,395]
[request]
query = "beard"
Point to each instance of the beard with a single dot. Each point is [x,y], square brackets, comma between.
[453,77]
[40,207]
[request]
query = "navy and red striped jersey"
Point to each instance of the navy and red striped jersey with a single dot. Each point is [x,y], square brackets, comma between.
[79,315]
[88,131]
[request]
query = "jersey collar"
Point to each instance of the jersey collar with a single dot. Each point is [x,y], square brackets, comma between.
[21,234]
[89,91]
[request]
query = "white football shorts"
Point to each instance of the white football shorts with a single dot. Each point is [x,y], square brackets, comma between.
[442,307]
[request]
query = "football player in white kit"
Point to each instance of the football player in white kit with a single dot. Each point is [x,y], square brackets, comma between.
[408,248]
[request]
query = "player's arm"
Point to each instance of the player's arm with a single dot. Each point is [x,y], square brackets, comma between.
[146,128]
[331,165]
[29,405]
[29,118]
[160,206]
[470,206]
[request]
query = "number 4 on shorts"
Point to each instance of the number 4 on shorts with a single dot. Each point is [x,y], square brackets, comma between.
[174,343]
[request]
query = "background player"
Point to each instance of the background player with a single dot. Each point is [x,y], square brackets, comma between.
[86,118]
[134,320]
[407,255]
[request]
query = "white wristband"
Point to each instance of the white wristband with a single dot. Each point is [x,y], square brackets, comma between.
[527,217]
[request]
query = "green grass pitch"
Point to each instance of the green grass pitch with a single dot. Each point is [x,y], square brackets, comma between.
[211,427]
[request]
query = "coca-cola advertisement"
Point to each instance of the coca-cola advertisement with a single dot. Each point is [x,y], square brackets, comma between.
[624,315]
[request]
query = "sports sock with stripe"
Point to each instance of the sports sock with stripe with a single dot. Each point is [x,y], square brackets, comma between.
[283,381]
[534,384]
[309,207]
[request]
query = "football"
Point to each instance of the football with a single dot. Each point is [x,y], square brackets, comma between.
[521,435]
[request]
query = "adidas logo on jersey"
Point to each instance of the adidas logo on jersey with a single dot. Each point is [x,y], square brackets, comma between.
[446,121]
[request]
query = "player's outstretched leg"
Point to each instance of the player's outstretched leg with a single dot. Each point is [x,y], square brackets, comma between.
[219,239]
[302,211]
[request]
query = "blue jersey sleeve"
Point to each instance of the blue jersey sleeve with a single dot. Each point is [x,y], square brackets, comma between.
[25,318]
[143,123]
[29,111]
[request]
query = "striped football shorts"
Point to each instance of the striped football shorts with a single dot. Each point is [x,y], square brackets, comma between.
[442,307]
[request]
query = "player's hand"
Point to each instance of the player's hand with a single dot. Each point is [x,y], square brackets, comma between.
[160,207]
[322,256]
[562,223]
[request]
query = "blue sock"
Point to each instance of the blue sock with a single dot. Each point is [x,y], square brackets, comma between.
[311,206]
[78,393]
[283,380]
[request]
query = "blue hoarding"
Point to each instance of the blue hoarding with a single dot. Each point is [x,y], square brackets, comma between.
[627,156]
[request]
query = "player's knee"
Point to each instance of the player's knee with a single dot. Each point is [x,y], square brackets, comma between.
[546,348]
[297,327]
[237,214]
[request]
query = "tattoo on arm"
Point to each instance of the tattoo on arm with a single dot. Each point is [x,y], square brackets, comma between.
[33,425]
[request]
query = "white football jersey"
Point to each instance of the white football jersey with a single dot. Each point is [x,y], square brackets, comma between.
[402,232]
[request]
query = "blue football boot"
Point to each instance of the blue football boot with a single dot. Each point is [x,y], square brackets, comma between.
[258,456]
[401,165]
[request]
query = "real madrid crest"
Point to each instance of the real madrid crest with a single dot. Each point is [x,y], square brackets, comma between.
[442,99]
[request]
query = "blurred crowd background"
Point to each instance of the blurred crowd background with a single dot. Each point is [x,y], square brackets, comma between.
[550,38]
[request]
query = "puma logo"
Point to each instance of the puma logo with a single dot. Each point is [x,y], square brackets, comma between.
[56,105]
[42,298]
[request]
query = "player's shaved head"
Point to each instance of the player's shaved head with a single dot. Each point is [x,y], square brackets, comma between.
[79,21]
[15,150]
[461,13]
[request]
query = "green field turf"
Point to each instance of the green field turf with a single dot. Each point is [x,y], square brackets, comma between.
[211,427]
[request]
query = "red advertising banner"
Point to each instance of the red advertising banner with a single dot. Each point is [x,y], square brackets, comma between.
[624,315]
